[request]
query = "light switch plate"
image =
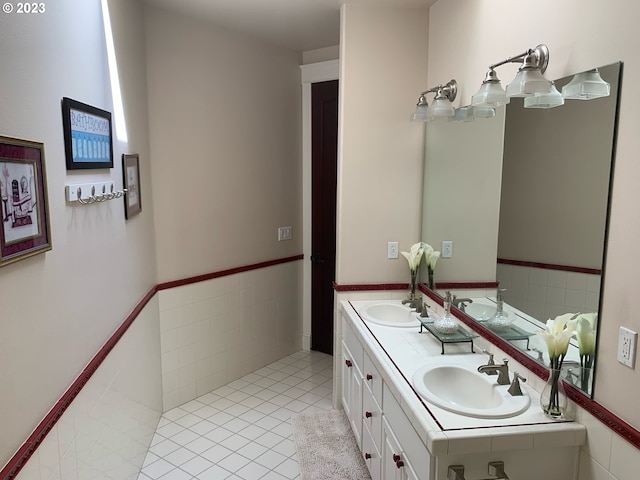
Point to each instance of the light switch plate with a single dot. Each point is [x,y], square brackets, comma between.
[284,233]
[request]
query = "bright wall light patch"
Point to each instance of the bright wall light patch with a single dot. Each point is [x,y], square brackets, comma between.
[116,93]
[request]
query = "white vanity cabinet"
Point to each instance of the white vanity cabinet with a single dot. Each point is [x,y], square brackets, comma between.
[401,439]
[389,445]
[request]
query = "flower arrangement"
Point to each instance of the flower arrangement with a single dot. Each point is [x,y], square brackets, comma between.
[414,257]
[586,335]
[556,334]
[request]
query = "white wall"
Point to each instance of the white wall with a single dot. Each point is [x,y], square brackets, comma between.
[58,308]
[224,117]
[468,35]
[380,151]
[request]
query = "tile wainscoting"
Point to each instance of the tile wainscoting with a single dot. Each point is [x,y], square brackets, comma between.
[102,427]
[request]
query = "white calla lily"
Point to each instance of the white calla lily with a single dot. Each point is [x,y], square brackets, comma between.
[586,333]
[414,256]
[557,334]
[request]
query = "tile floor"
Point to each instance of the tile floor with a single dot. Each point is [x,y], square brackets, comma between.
[242,431]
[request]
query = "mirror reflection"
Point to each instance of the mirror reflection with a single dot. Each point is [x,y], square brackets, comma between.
[552,210]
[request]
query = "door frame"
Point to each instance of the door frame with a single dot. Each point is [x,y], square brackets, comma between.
[311,73]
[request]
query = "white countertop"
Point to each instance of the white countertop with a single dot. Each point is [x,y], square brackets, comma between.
[399,352]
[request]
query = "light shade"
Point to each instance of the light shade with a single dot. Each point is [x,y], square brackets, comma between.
[440,108]
[491,94]
[528,81]
[484,112]
[420,115]
[545,100]
[469,113]
[463,114]
[585,86]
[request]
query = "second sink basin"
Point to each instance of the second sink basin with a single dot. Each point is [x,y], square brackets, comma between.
[463,390]
[390,314]
[480,311]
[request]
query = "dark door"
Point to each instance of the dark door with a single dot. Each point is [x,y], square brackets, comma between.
[324,145]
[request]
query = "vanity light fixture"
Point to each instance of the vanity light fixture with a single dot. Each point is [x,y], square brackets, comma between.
[545,100]
[585,86]
[469,113]
[441,106]
[528,81]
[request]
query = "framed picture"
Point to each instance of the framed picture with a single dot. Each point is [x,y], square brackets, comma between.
[88,139]
[131,182]
[23,189]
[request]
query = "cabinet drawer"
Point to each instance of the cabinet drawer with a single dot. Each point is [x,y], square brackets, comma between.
[371,454]
[372,416]
[372,378]
[350,338]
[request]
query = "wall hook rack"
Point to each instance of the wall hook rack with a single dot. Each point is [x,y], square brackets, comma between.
[96,192]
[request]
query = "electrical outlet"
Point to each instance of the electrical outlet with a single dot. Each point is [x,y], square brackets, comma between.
[627,341]
[284,233]
[392,250]
[447,249]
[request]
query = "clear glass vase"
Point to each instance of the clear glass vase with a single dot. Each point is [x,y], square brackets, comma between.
[553,399]
[413,284]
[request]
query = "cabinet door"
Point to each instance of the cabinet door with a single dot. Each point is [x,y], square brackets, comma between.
[352,393]
[391,455]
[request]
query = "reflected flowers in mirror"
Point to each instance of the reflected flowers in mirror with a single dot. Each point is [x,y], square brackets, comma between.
[586,335]
[431,256]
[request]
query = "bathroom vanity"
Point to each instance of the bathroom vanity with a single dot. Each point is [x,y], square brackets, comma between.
[389,366]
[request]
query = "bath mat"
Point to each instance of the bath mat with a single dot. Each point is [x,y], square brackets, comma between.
[327,448]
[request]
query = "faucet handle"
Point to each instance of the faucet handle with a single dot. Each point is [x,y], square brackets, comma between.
[490,362]
[425,310]
[515,389]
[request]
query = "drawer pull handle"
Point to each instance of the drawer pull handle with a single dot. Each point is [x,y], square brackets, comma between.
[369,376]
[396,458]
[368,414]
[367,456]
[399,464]
[349,363]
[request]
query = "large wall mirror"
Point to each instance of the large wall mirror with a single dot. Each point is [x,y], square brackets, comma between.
[528,200]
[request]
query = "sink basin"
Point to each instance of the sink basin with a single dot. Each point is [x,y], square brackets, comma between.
[480,311]
[463,390]
[390,314]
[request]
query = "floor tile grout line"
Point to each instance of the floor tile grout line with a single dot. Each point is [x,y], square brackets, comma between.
[181,412]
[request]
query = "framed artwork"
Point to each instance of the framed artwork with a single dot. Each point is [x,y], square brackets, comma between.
[23,190]
[131,182]
[88,141]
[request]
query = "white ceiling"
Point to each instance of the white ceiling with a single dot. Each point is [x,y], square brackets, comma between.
[300,25]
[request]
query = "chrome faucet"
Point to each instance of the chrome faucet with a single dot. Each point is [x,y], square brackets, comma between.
[413,303]
[503,371]
[461,303]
